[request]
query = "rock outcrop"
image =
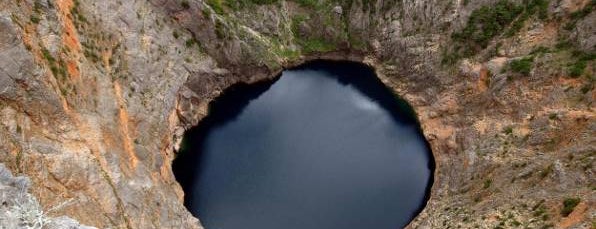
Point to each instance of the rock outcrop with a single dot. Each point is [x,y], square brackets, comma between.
[95,96]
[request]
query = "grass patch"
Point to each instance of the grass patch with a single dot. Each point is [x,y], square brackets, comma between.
[317,45]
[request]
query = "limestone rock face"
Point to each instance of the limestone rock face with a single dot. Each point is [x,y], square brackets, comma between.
[95,95]
[21,210]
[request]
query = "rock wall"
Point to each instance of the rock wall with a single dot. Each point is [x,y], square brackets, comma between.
[95,96]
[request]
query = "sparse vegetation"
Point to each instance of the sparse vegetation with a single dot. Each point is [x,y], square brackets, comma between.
[56,67]
[539,50]
[578,67]
[488,22]
[537,6]
[220,29]
[484,24]
[284,52]
[77,15]
[217,6]
[540,211]
[89,51]
[580,14]
[548,170]
[317,45]
[309,44]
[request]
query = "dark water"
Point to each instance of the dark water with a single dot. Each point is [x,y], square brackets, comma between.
[325,146]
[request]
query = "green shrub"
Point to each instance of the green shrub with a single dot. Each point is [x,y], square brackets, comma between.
[538,6]
[190,42]
[482,26]
[540,50]
[553,116]
[487,183]
[577,69]
[508,130]
[48,56]
[34,19]
[522,66]
[185,4]
[568,206]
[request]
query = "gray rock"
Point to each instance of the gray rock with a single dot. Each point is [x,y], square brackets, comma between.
[338,10]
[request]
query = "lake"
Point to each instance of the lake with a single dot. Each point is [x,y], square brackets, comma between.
[323,146]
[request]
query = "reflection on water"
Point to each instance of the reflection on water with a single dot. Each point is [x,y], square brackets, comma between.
[324,146]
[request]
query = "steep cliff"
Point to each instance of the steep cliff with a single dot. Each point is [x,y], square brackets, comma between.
[95,96]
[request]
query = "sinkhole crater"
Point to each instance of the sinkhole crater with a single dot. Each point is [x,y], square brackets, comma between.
[325,145]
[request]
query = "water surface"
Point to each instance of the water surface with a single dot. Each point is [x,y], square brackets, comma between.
[324,146]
